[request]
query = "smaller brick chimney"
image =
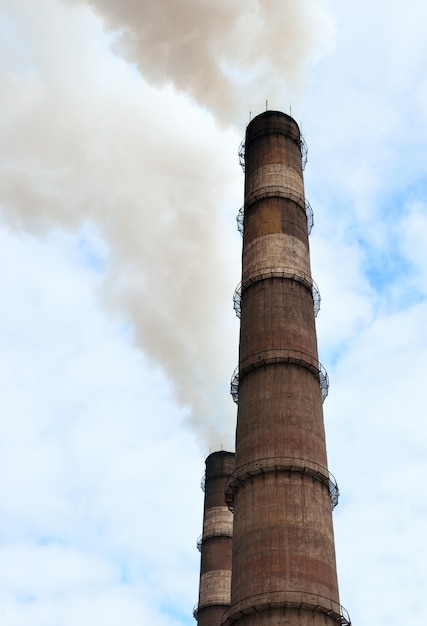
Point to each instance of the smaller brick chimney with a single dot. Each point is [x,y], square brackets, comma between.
[215,543]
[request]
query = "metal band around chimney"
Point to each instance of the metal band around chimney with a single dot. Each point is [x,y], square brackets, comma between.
[281,464]
[271,357]
[299,600]
[281,191]
[278,272]
[278,192]
[202,538]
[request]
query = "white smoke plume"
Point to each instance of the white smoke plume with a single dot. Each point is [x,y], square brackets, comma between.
[89,138]
[223,54]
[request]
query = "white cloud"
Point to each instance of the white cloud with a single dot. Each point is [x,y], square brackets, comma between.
[85,459]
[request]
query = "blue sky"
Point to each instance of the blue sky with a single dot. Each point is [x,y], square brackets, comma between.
[119,186]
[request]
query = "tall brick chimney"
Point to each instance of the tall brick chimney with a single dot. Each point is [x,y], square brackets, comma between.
[283,556]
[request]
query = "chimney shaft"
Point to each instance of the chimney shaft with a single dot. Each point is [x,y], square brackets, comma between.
[283,560]
[215,543]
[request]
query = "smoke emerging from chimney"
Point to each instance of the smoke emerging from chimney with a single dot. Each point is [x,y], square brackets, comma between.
[222,54]
[89,140]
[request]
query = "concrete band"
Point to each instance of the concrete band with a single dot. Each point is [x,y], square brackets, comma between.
[218,521]
[270,250]
[215,588]
[275,175]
